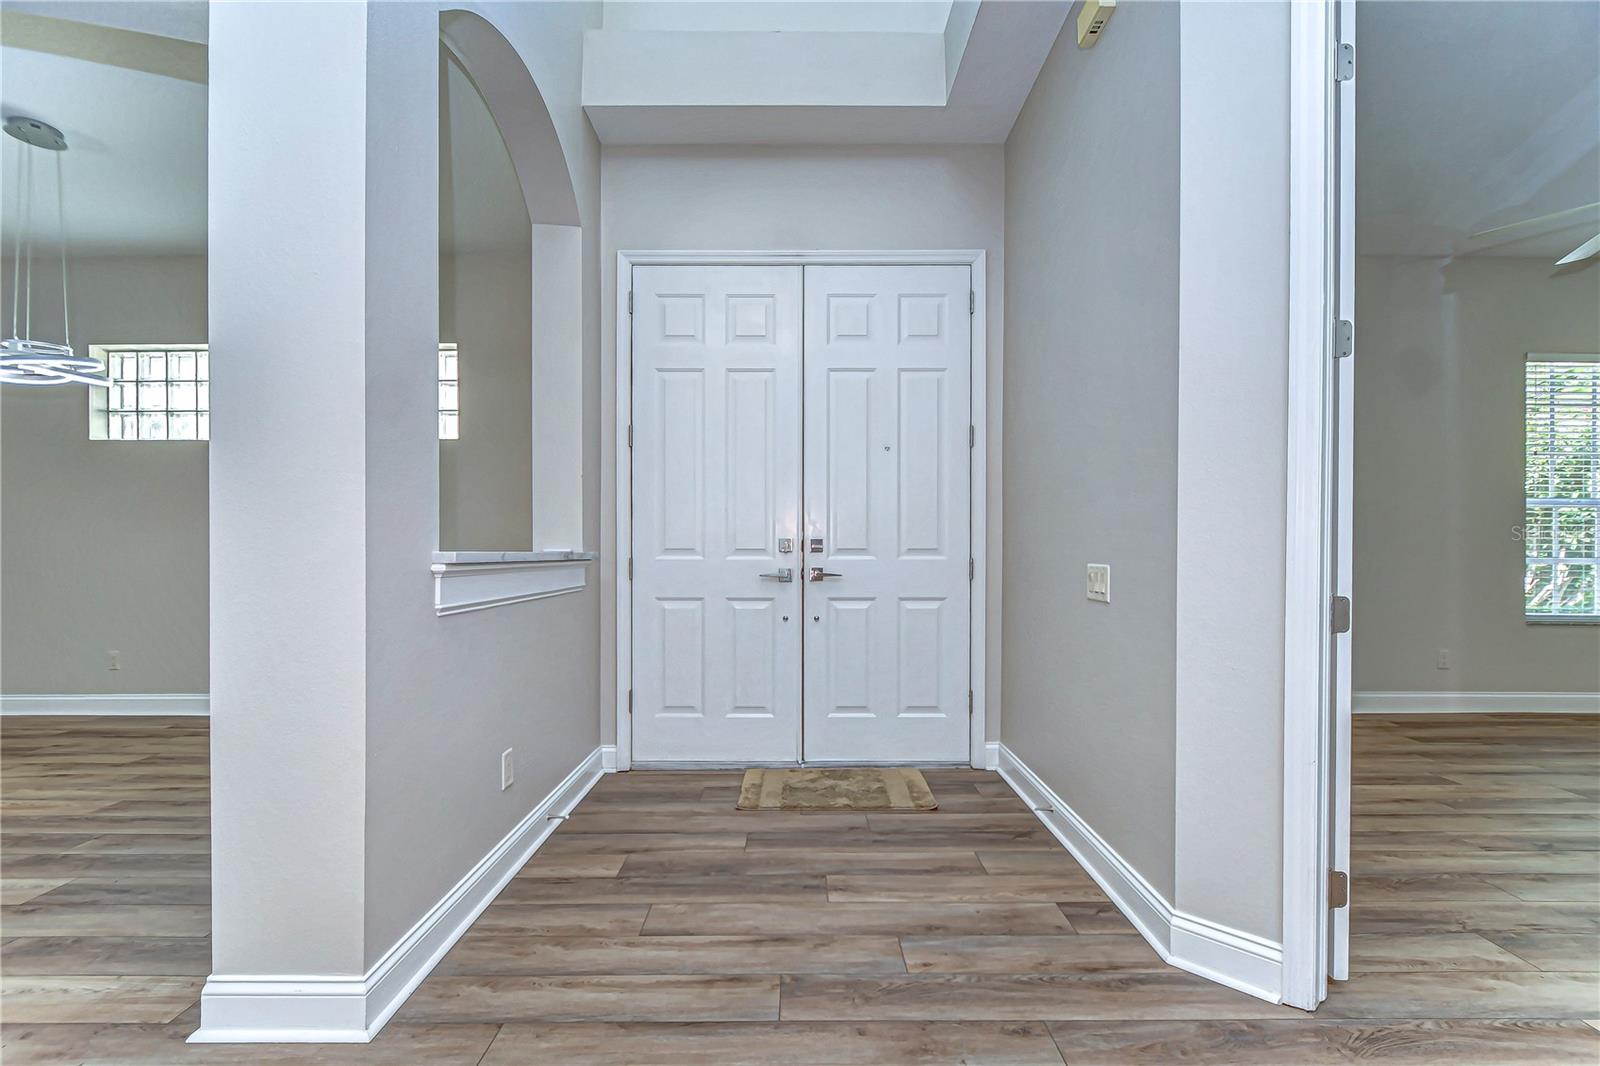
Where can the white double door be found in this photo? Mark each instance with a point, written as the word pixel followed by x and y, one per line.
pixel 801 472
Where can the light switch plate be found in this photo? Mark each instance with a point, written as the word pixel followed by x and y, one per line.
pixel 1097 583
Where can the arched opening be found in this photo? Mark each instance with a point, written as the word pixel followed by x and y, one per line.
pixel 510 310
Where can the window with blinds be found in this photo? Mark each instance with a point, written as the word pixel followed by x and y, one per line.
pixel 1561 476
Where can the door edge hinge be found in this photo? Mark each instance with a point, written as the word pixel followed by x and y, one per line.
pixel 1344 61
pixel 972 435
pixel 630 301
pixel 972 568
pixel 971 702
pixel 1339 622
pixel 1338 890
pixel 630 701
pixel 1344 339
pixel 630 434
pixel 972 301
pixel 630 568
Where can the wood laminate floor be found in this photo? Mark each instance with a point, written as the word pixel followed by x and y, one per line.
pixel 658 925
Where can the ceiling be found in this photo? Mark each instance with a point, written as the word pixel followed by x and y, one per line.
pixel 1475 115
pixel 779 72
pixel 779 16
pixel 135 166
pixel 1470 115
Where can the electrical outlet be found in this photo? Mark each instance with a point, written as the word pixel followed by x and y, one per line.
pixel 1444 659
pixel 1097 583
pixel 508 773
pixel 113 660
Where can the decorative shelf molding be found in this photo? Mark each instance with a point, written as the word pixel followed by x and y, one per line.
pixel 557 555
pixel 476 581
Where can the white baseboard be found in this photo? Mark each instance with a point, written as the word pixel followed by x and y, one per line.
pixel 991 755
pixel 608 757
pixel 186 704
pixel 1135 897
pixel 1228 956
pixel 247 1009
pixel 1240 960
pixel 1476 703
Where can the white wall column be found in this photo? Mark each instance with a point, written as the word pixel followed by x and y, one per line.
pixel 1232 382
pixel 287 290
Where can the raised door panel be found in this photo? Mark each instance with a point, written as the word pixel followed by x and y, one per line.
pixel 887 493
pixel 716 483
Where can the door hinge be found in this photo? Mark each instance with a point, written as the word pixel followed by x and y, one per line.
pixel 630 434
pixel 630 701
pixel 1338 889
pixel 972 568
pixel 630 301
pixel 972 301
pixel 630 568
pixel 1344 339
pixel 1344 61
pixel 972 436
pixel 970 702
pixel 1341 614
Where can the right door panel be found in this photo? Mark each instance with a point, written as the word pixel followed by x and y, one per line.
pixel 887 513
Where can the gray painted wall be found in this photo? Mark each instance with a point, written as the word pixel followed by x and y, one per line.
pixel 1091 395
pixel 287 296
pixel 836 198
pixel 446 695
pixel 104 542
pixel 1232 463
pixel 486 477
pixel 1438 474
pixel 356 736
pixel 1146 336
pixel 486 309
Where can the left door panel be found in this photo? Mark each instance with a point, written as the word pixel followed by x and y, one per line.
pixel 716 486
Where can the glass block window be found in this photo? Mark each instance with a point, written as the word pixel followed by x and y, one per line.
pixel 164 393
pixel 156 393
pixel 1561 483
pixel 449 393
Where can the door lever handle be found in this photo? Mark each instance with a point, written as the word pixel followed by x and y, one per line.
pixel 818 573
pixel 785 574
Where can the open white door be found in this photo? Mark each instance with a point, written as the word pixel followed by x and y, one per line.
pixel 1344 247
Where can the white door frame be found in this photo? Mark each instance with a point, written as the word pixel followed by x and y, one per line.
pixel 626 261
pixel 1315 789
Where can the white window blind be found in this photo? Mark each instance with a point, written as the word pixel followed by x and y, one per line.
pixel 1561 475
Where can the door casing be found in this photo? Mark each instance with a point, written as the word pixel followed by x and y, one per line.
pixel 626 261
pixel 1316 785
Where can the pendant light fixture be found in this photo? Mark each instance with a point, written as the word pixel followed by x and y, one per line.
pixel 24 358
